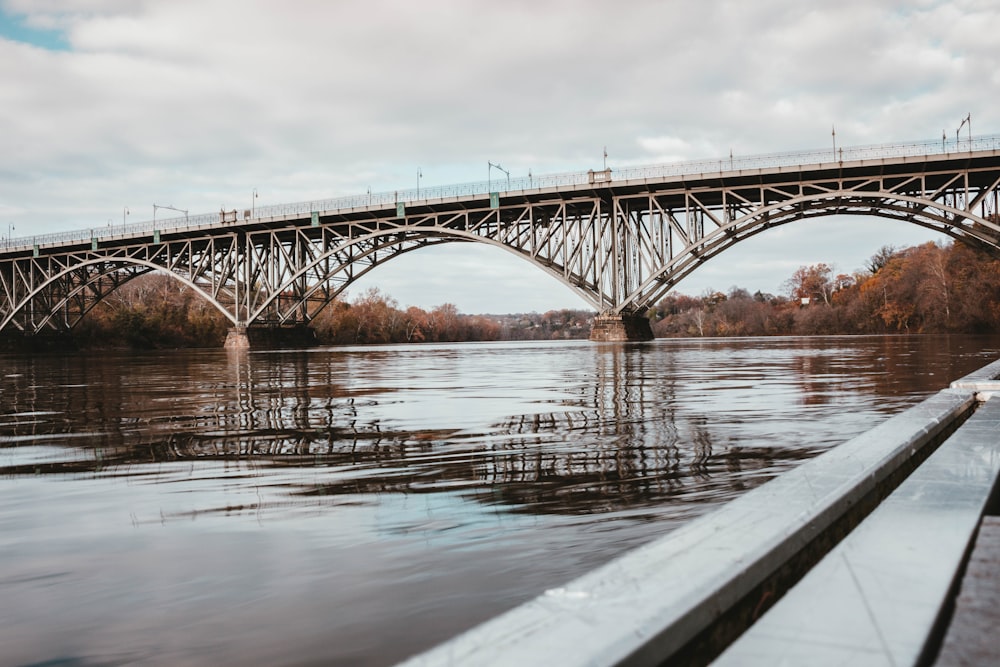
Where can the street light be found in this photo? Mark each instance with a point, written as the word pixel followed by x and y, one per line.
pixel 489 175
pixel 253 204
pixel 125 212
pixel 967 119
pixel 419 175
pixel 179 210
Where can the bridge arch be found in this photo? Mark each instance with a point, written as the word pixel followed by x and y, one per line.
pixel 382 246
pixel 942 218
pixel 111 266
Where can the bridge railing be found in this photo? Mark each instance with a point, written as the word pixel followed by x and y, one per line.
pixel 390 199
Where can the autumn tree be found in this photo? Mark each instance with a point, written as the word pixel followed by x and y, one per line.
pixel 811 282
pixel 153 310
pixel 880 258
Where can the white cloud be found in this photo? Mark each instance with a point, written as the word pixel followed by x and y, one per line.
pixel 197 102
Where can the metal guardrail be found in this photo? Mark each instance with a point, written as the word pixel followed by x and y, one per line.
pixel 382 200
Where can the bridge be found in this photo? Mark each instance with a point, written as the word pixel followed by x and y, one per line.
pixel 620 239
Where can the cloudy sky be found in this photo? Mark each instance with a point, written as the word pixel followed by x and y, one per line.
pixel 108 104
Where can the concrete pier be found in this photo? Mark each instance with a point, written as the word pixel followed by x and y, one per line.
pixel 244 338
pixel 618 328
pixel 237 339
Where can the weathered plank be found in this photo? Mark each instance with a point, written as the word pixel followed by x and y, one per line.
pixel 879 597
pixel 972 637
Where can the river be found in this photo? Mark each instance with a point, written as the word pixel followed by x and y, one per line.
pixel 352 506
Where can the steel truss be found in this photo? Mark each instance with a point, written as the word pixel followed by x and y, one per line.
pixel 621 245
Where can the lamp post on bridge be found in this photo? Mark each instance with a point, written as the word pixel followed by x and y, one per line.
pixel 967 119
pixel 125 212
pixel 489 175
pixel 253 204
pixel 419 176
pixel 179 210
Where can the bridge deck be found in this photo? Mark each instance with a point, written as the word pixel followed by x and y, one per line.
pixel 754 170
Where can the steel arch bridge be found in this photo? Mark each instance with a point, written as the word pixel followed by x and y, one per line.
pixel 620 240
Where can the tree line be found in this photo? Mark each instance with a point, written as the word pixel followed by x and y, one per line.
pixel 154 311
pixel 374 317
pixel 930 288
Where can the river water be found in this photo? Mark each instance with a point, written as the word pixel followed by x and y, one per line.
pixel 352 506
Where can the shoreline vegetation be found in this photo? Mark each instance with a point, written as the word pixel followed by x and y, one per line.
pixel 930 288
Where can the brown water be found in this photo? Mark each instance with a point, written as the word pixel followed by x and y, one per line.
pixel 356 505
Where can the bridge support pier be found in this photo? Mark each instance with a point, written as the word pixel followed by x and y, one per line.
pixel 618 327
pixel 264 337
pixel 237 339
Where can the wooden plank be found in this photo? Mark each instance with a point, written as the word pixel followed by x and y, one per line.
pixel 972 635
pixel 877 598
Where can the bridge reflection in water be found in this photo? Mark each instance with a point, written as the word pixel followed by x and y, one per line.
pixel 635 430
pixel 618 444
